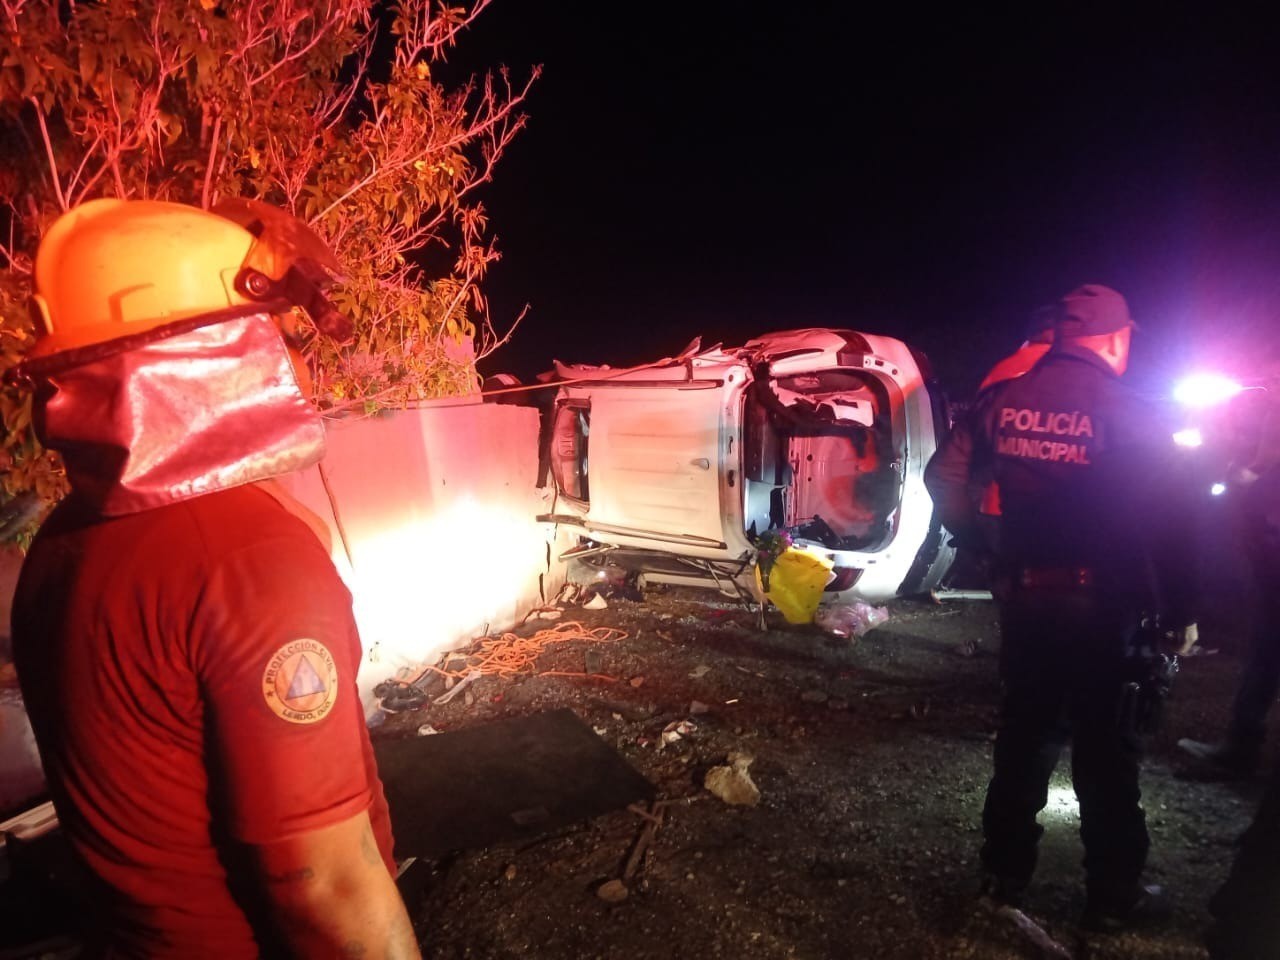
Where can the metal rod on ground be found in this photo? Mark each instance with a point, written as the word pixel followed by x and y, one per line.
pixel 940 596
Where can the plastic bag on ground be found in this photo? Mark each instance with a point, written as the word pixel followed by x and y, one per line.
pixel 796 583
pixel 850 619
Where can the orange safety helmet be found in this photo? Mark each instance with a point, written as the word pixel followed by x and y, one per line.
pixel 113 268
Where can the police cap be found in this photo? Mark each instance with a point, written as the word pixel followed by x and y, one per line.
pixel 1090 310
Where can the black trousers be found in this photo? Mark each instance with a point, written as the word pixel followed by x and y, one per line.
pixel 1246 921
pixel 1063 668
pixel 1260 677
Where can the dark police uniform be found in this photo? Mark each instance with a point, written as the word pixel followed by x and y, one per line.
pixel 1247 924
pixel 1077 458
pixel 1253 499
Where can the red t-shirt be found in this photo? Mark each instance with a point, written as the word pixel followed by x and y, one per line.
pixel 190 675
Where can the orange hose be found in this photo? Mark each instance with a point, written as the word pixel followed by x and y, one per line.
pixel 510 654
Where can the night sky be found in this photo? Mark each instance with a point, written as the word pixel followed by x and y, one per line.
pixel 729 169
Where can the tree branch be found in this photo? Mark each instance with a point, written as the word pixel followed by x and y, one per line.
pixel 210 166
pixel 482 124
pixel 80 169
pixel 48 148
pixel 290 57
pixel 489 348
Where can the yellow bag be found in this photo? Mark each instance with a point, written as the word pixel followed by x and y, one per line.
pixel 796 583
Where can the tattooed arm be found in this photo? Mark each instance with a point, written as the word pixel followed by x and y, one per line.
pixel 332 897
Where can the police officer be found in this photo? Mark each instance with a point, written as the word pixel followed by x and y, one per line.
pixel 1254 507
pixel 1247 925
pixel 185 646
pixel 1078 461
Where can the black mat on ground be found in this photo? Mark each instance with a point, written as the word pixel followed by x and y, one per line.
pixel 501 781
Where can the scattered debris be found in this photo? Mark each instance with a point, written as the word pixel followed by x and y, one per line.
pixel 471 677
pixel 732 783
pixel 677 730
pixel 850 619
pixel 968 648
pixel 29 825
pixel 403 698
pixel 612 891
pixel 815 696
pixel 552 614
pixel 403 866
pixel 1035 933
pixel 568 593
pixel 637 682
pixel 509 873
pixel 697 708
pixel 653 819
pixel 427 730
pixel 630 712
pixel 763 853
pixel 596 602
pixel 397 697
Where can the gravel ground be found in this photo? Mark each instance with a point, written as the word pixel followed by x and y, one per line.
pixel 871 758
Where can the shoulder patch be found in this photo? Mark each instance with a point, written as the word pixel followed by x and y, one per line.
pixel 300 683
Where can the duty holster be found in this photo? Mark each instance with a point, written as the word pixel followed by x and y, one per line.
pixel 1148 683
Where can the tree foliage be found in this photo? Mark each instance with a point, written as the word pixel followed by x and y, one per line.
pixel 332 109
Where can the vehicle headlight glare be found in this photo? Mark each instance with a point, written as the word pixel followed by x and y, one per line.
pixel 1205 390
pixel 1189 437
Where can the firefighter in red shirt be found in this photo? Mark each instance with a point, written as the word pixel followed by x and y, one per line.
pixel 185 646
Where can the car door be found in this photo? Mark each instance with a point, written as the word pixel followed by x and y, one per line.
pixel 655 460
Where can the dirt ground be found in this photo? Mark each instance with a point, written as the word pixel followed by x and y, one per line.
pixel 871 758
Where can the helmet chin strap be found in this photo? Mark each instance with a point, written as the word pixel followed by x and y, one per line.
pixel 30 372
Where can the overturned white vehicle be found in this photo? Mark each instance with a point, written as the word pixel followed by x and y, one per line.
pixel 674 469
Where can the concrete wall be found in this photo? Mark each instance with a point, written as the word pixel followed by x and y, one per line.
pixel 20 776
pixel 436 507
